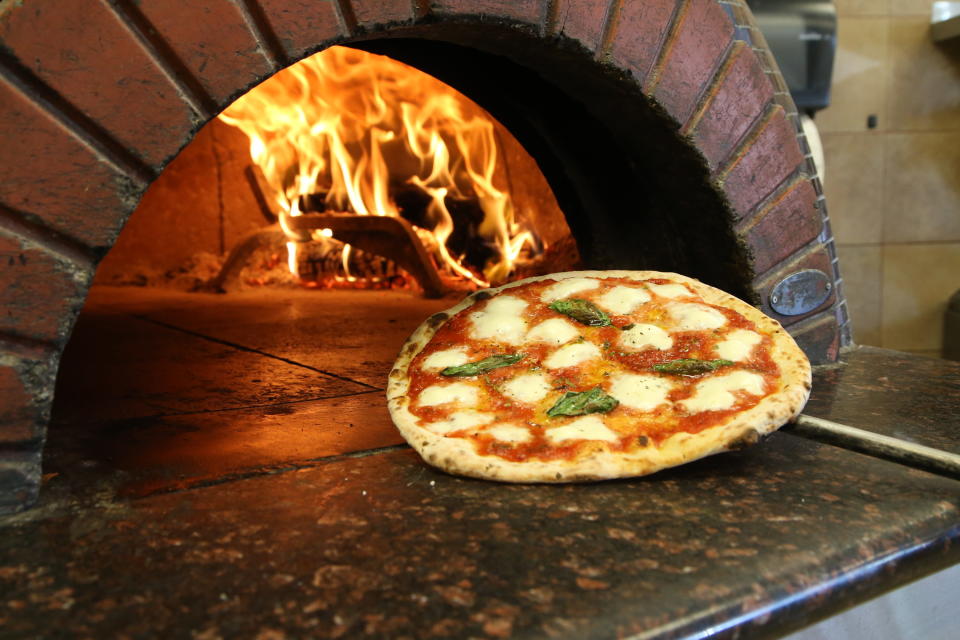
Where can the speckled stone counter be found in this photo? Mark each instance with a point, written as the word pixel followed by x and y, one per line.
pixel 893 393
pixel 756 542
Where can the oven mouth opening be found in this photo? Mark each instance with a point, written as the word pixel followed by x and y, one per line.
pixel 166 389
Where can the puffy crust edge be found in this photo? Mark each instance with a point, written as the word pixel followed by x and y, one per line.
pixel 456 455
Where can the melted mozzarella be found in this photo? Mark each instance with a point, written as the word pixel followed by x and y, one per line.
pixel 642 336
pixel 553 331
pixel 508 433
pixel 460 420
pixel 572 355
pixel 716 393
pixel 568 287
pixel 738 345
pixel 528 388
pixel 641 392
pixel 460 392
pixel 690 316
pixel 622 300
pixel 585 428
pixel 446 358
pixel 500 320
pixel 670 290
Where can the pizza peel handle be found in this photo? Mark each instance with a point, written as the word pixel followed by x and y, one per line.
pixel 880 446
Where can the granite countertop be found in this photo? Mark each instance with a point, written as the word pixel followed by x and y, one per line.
pixel 755 542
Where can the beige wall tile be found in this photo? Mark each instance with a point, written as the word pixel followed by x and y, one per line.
pixel 853 185
pixel 863 7
pixel 859 76
pixel 910 7
pixel 861 268
pixel 924 78
pixel 922 187
pixel 918 279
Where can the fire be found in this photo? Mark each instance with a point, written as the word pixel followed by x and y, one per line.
pixel 361 131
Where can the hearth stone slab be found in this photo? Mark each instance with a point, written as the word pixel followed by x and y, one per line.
pixel 893 393
pixel 123 366
pixel 354 334
pixel 166 453
pixel 763 540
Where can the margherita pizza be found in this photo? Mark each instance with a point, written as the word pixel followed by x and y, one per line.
pixel 593 374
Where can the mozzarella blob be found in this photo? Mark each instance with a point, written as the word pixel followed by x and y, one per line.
pixel 572 355
pixel 447 358
pixel 738 345
pixel 640 392
pixel 508 433
pixel 528 388
pixel 500 320
pixel 622 300
pixel 670 291
pixel 568 287
pixel 645 336
pixel 553 331
pixel 691 316
pixel 464 394
pixel 460 420
pixel 716 394
pixel 586 428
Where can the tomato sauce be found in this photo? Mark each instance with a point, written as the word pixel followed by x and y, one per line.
pixel 636 429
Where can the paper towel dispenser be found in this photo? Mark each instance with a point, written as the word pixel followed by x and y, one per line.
pixel 803 37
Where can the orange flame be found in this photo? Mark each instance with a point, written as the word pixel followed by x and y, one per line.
pixel 352 125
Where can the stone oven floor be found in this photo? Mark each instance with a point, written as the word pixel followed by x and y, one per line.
pixel 211 472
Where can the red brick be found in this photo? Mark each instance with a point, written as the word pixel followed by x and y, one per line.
pixel 739 99
pixel 820 340
pixel 703 35
pixel 82 51
pixel 372 12
pixel 819 259
pixel 582 20
pixel 789 223
pixel 38 294
pixel 302 26
pixel 213 41
pixel 640 30
pixel 769 159
pixel 20 419
pixel 48 173
pixel 523 10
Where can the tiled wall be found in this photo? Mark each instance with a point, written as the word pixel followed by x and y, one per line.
pixel 894 190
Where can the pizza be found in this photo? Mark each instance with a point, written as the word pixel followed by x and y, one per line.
pixel 591 375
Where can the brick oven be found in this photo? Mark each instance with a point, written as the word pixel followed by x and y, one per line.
pixel 707 171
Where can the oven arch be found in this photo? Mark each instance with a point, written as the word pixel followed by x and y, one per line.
pixel 96 97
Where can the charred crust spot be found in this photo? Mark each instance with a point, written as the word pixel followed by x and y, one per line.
pixel 409 349
pixel 748 439
pixel 437 319
pixel 483 294
pixel 643 441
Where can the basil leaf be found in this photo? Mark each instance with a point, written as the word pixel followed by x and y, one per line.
pixel 583 311
pixel 482 366
pixel 583 402
pixel 690 366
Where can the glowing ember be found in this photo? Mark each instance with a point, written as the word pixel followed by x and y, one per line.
pixel 360 132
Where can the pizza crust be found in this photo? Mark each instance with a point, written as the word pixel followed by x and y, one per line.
pixel 595 461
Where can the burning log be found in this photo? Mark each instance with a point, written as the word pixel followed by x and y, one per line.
pixel 390 238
